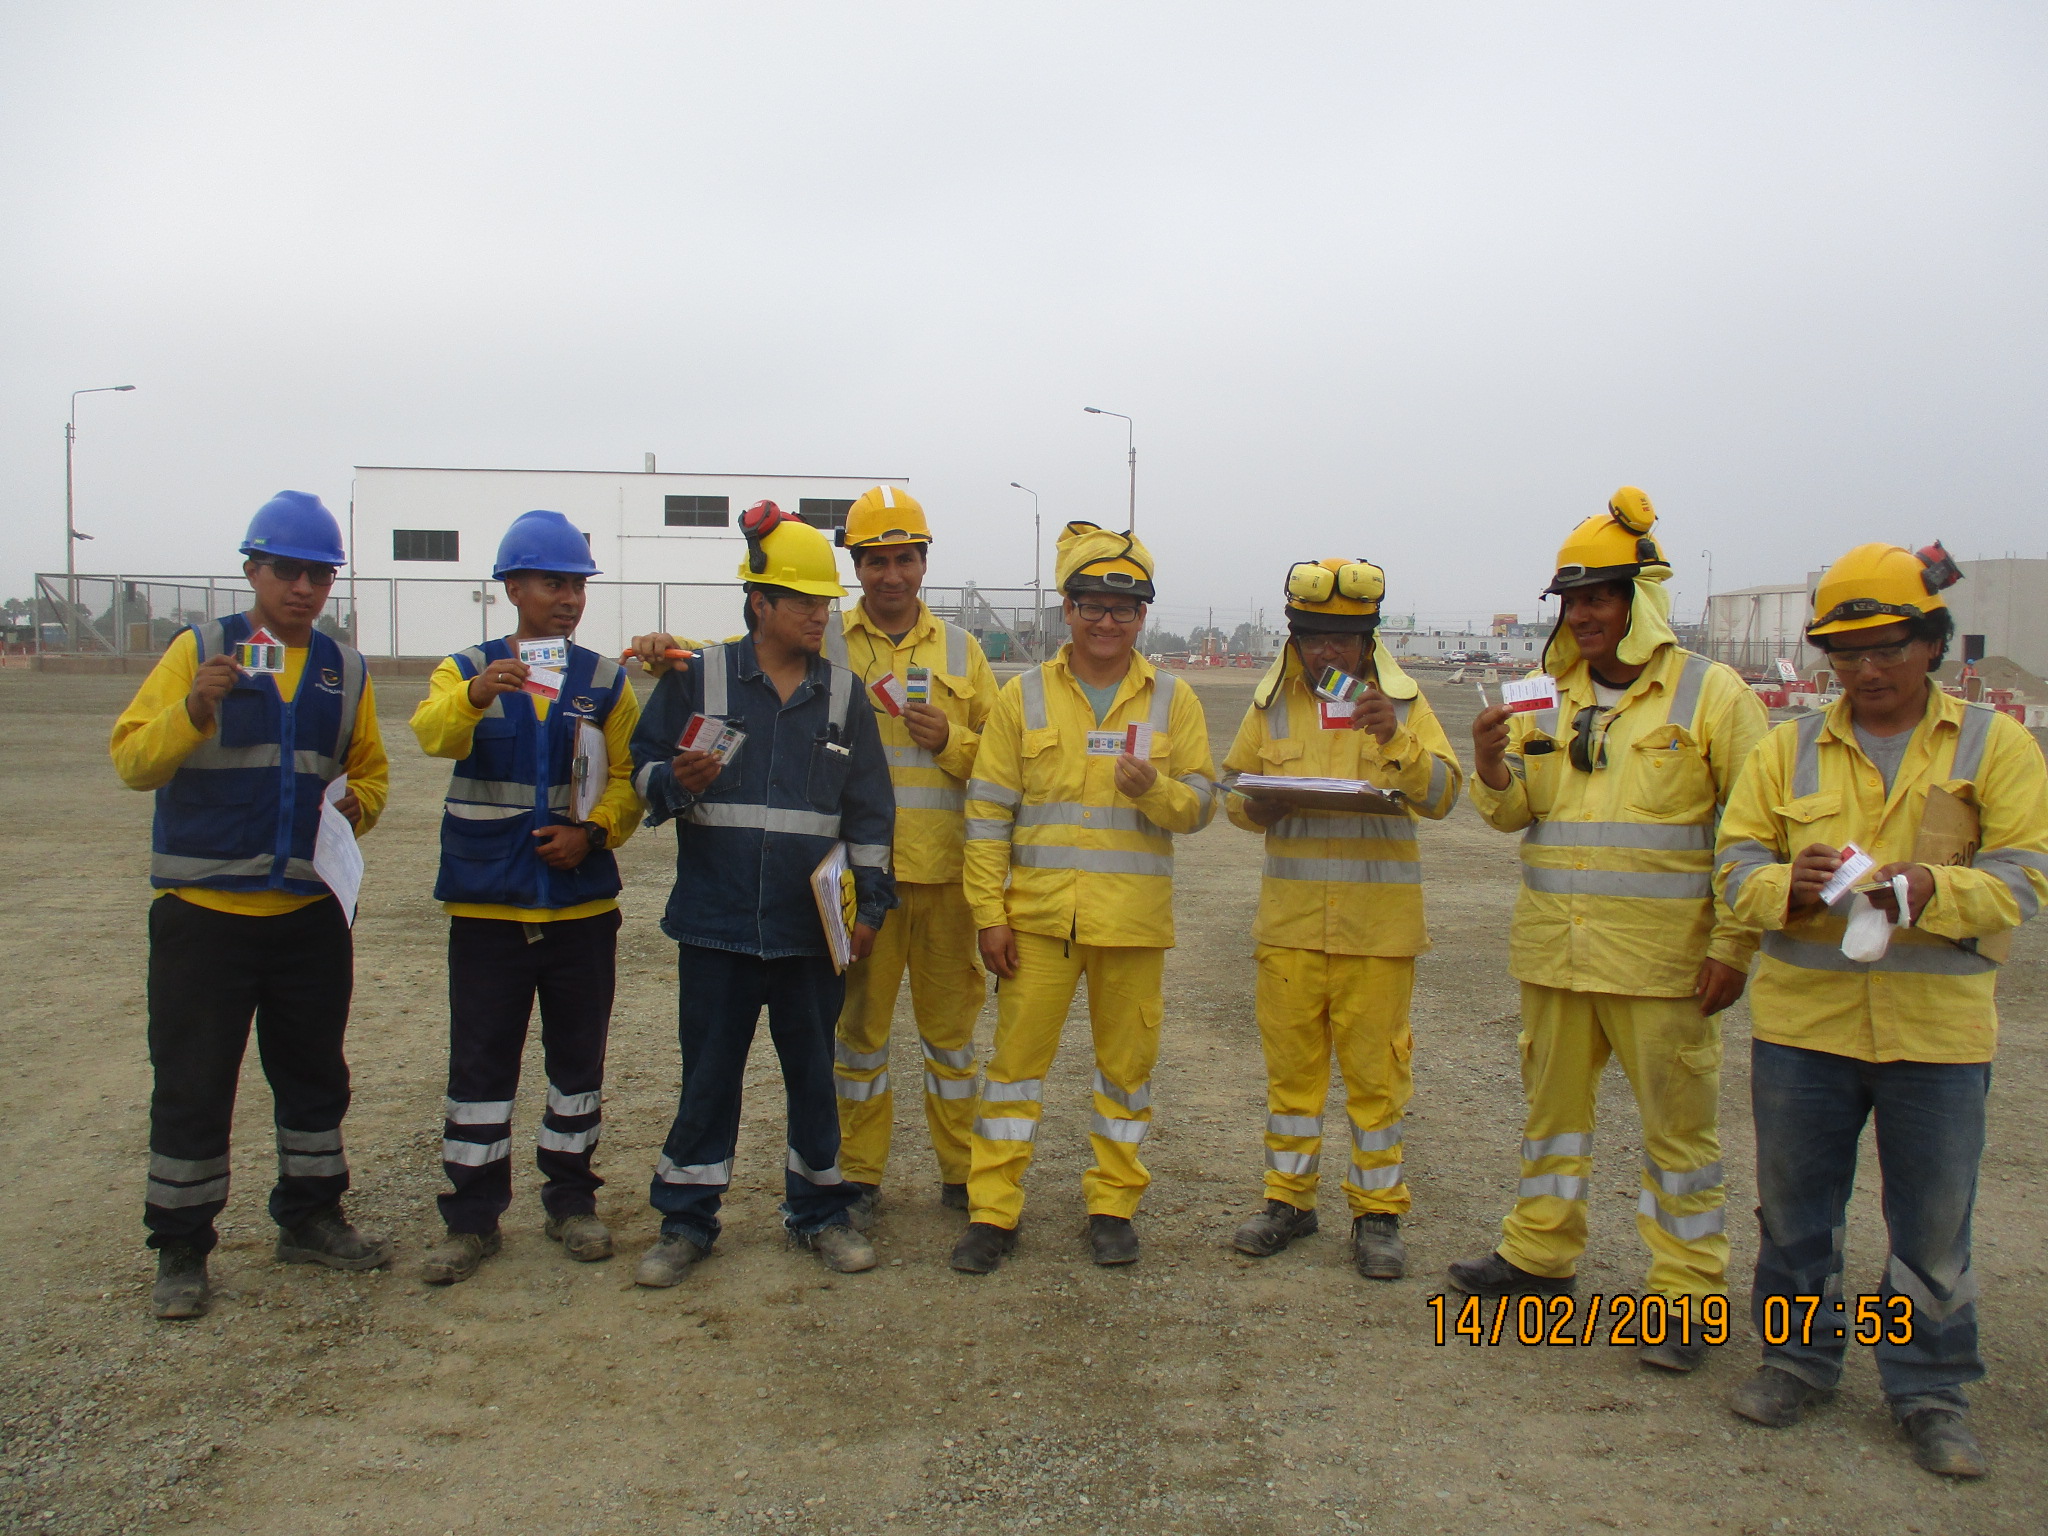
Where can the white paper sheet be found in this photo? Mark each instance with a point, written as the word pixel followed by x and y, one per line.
pixel 826 890
pixel 337 857
pixel 589 771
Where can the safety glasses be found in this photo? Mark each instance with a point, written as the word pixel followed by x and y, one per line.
pixel 1095 613
pixel 1588 746
pixel 1868 656
pixel 289 571
pixel 1308 582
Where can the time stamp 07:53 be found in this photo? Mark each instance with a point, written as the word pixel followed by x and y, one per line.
pixel 1631 1320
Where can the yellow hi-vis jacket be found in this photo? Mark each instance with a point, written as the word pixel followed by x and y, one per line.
pixel 1052 848
pixel 931 788
pixel 1617 864
pixel 1340 883
pixel 1930 997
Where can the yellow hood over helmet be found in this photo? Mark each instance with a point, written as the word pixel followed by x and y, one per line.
pixel 1615 546
pixel 1335 596
pixel 1877 584
pixel 884 514
pixel 1089 558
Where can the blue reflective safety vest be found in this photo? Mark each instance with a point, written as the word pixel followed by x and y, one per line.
pixel 517 779
pixel 242 812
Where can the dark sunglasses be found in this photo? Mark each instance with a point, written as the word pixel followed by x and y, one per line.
pixel 291 570
pixel 1588 746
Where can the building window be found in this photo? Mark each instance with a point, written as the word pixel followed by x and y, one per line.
pixel 820 513
pixel 425 544
pixel 696 511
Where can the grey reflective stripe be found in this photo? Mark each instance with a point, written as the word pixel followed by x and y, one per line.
pixel 857 1092
pixel 311 1165
pixel 1906 1283
pixel 1294 1125
pixel 186 1170
pixel 859 1061
pixel 353 670
pixel 1566 1144
pixel 209 639
pixel 1017 1129
pixel 1163 684
pixel 1100 861
pixel 993 793
pixel 693 1173
pixel 763 818
pixel 1074 813
pixel 1396 829
pixel 552 1140
pixel 806 1172
pixel 948 1087
pixel 1401 708
pixel 835 639
pixel 474 655
pixel 605 675
pixel 1545 720
pixel 1439 776
pixel 1129 1132
pixel 308 1141
pixel 1560 1186
pixel 1385 1139
pixel 573 1103
pixel 956 650
pixel 174 1197
pixel 1136 1099
pixel 319 764
pixel 302 869
pixel 1742 860
pixel 984 830
pixel 1345 871
pixel 1203 786
pixel 1031 1089
pixel 208 756
pixel 912 756
pixel 1618 834
pixel 1685 698
pixel 1687 1229
pixel 1373 1178
pixel 1298 1164
pixel 1032 685
pixel 171 866
pixel 643 781
pixel 959 1061
pixel 2011 866
pixel 711 666
pixel 1974 731
pixel 1618 882
pixel 466 812
pixel 502 792
pixel 1900 959
pixel 839 697
pixel 1276 716
pixel 1685 1183
pixel 868 855
pixel 1806 762
pixel 474 1154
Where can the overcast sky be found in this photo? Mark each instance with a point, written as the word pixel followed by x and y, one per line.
pixel 1422 283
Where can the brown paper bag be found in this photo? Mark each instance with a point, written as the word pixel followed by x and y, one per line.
pixel 1949 834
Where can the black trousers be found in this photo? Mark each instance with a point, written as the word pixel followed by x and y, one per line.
pixel 210 974
pixel 496 969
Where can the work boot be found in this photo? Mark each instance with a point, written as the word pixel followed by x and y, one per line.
pixel 842 1248
pixel 584 1238
pixel 329 1239
pixel 1495 1276
pixel 1943 1444
pixel 981 1248
pixel 458 1256
pixel 1112 1240
pixel 667 1261
pixel 1673 1355
pixel 1377 1249
pixel 1264 1233
pixel 1774 1398
pixel 862 1212
pixel 180 1290
pixel 953 1196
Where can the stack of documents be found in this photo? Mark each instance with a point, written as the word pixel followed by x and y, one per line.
pixel 1328 794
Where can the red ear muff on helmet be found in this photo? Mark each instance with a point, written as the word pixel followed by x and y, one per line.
pixel 756 523
pixel 1941 571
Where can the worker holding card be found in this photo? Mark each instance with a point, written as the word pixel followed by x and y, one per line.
pixel 540 730
pixel 243 728
pixel 932 690
pixel 1948 801
pixel 1614 764
pixel 1069 873
pixel 1340 904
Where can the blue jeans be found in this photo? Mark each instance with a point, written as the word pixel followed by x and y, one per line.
pixel 1810 1107
pixel 720 998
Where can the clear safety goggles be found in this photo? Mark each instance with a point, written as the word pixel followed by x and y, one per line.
pixel 1308 582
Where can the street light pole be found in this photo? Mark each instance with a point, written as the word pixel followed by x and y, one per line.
pixel 71 533
pixel 1131 441
pixel 1707 608
pixel 1037 596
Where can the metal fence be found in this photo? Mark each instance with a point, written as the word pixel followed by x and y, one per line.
pixel 428 616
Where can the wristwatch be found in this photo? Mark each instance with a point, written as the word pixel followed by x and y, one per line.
pixel 596 835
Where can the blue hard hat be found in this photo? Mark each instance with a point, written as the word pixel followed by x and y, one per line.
pixel 294 524
pixel 543 541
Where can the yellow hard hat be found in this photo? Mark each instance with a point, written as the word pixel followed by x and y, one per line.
pixel 1336 595
pixel 884 515
pixel 785 551
pixel 1092 559
pixel 1877 584
pixel 1615 545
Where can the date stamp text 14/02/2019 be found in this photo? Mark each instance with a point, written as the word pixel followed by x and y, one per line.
pixel 1632 1320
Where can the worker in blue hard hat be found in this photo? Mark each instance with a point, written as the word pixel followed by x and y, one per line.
pixel 540 730
pixel 247 728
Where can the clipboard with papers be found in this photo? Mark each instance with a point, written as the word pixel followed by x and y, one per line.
pixel 1311 794
pixel 832 889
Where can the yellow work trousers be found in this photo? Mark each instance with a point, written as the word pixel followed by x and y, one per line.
pixel 1310 1004
pixel 1673 1060
pixel 931 934
pixel 1124 1008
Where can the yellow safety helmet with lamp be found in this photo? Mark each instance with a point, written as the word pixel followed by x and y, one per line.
pixel 785 551
pixel 884 515
pixel 1615 546
pixel 1089 558
pixel 1877 584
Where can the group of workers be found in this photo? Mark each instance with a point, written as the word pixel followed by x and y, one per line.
pixel 863 771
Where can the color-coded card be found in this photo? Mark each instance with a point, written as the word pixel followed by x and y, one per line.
pixel 1528 694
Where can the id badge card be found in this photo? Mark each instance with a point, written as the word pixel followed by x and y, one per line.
pixel 1336 714
pixel 701 734
pixel 917 685
pixel 889 692
pixel 1338 686
pixel 261 652
pixel 1529 694
pixel 1106 743
pixel 552 652
pixel 1138 738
